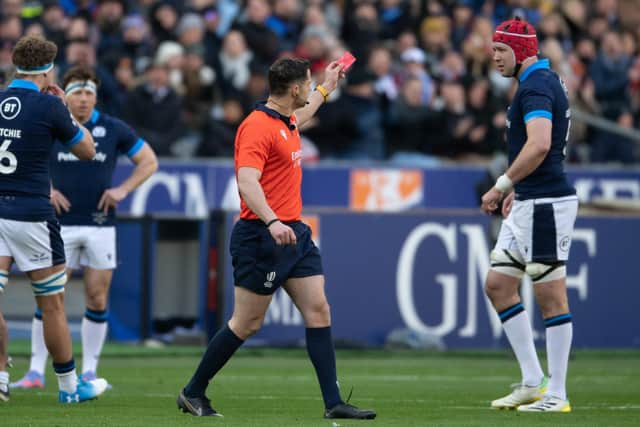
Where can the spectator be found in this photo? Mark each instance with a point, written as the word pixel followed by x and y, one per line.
pixel 219 48
pixel 234 60
pixel 610 75
pixel 135 38
pixel 361 26
pixel 54 22
pixel 285 22
pixel 190 29
pixel 220 132
pixel 410 125
pixel 395 17
pixel 461 23
pixel 350 127
pixel 165 126
pixel 199 87
pixel 171 55
pixel 380 63
pixel 435 38
pixel 164 18
pixel 82 52
pixel 413 61
pixel 262 41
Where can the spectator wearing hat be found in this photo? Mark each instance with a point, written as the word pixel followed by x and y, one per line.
pixel 413 66
pixel 135 38
pixel 170 54
pixel 314 46
pixel 190 29
pixel 435 38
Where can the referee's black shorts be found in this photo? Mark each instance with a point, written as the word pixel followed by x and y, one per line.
pixel 261 266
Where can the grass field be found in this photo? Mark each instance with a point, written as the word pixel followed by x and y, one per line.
pixel 265 388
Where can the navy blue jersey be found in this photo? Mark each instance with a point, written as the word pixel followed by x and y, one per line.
pixel 30 123
pixel 84 182
pixel 541 93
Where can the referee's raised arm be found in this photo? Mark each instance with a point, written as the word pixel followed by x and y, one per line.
pixel 332 74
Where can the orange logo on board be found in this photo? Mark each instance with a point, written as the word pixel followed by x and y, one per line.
pixel 385 189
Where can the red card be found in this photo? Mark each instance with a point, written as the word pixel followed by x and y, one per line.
pixel 347 61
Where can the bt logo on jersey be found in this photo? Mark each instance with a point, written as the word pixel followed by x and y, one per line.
pixel 10 108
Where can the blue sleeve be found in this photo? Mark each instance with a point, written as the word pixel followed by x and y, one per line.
pixel 64 127
pixel 536 103
pixel 128 142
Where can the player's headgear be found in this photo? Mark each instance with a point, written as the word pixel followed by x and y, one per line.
pixel 520 37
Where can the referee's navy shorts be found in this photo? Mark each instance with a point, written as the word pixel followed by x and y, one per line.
pixel 261 266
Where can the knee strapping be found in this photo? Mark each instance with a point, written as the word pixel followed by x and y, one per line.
pixel 541 272
pixel 507 262
pixel 53 284
pixel 4 279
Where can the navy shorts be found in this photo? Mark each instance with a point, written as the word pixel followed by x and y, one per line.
pixel 262 266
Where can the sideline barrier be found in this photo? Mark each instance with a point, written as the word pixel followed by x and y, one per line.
pixel 426 270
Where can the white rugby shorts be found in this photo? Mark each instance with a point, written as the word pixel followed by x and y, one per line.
pixel 33 245
pixel 539 230
pixel 90 246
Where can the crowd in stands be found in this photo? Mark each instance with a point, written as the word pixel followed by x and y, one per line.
pixel 424 90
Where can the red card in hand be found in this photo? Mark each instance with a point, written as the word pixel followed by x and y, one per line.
pixel 347 61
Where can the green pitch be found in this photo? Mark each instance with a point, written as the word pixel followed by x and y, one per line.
pixel 265 388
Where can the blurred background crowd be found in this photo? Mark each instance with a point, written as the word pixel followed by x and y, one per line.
pixel 424 90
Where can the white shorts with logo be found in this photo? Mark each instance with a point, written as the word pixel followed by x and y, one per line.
pixel 90 246
pixel 539 230
pixel 32 245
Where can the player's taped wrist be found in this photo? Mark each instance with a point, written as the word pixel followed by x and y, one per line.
pixel 504 183
pixel 324 92
pixel 268 224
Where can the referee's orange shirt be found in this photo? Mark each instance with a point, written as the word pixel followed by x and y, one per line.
pixel 270 142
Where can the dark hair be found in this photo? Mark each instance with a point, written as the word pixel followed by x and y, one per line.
pixel 81 72
pixel 33 51
pixel 286 71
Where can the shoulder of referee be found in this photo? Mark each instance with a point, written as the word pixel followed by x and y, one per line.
pixel 256 126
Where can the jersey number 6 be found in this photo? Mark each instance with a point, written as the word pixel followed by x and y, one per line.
pixel 7 155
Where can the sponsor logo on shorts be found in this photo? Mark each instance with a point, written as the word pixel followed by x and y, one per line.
pixel 565 242
pixel 39 257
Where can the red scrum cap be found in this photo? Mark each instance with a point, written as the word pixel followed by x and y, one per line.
pixel 520 36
